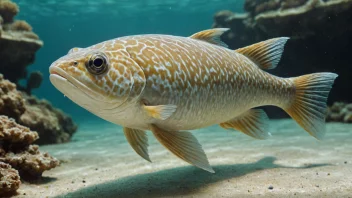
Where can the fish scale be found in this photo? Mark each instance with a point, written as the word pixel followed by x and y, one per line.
pixel 160 78
pixel 168 84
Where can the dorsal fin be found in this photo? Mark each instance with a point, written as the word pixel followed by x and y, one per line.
pixel 211 36
pixel 265 54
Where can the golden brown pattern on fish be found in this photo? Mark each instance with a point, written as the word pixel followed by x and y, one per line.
pixel 175 76
pixel 168 83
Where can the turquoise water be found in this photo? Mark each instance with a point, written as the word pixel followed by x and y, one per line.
pixel 99 162
pixel 63 25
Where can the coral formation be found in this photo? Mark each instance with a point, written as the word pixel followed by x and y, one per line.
pixel 9 179
pixel 320 35
pixel 52 124
pixel 34 81
pixel 18 44
pixel 340 112
pixel 256 7
pixel 298 19
pixel 11 100
pixel 8 10
pixel 16 151
pixel 30 162
pixel 14 133
pixel 18 25
pixel 259 6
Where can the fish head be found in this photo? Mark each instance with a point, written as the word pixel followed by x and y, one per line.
pixel 97 79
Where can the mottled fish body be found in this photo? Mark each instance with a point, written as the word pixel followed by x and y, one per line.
pixel 167 83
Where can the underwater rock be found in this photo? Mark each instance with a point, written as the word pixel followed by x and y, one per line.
pixel 18 44
pixel 256 7
pixel 18 25
pixel 340 112
pixel 9 179
pixel 320 37
pixel 16 149
pixel 30 162
pixel 304 18
pixel 298 18
pixel 259 6
pixel 14 133
pixel 8 10
pixel 11 100
pixel 52 125
pixel 34 81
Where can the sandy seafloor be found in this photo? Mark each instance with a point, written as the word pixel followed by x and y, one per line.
pixel 100 163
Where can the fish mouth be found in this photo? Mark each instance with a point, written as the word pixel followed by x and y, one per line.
pixel 56 72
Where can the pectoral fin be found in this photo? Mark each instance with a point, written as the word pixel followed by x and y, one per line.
pixel 253 123
pixel 138 140
pixel 161 112
pixel 184 145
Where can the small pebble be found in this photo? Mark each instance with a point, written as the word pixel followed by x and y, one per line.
pixel 270 187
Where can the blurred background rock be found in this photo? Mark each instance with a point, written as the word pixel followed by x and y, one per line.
pixel 320 37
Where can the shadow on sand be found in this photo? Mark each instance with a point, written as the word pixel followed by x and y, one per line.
pixel 177 181
pixel 39 180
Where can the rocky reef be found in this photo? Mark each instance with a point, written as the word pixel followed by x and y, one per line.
pixel 18 157
pixel 9 179
pixel 320 34
pixel 340 112
pixel 52 125
pixel 24 119
pixel 18 47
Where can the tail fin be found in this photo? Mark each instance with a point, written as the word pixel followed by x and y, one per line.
pixel 309 104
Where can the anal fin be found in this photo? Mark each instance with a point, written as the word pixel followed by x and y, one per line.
pixel 184 145
pixel 253 122
pixel 138 140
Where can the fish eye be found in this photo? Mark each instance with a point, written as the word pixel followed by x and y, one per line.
pixel 97 64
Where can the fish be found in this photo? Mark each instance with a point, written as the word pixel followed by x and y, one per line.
pixel 170 84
